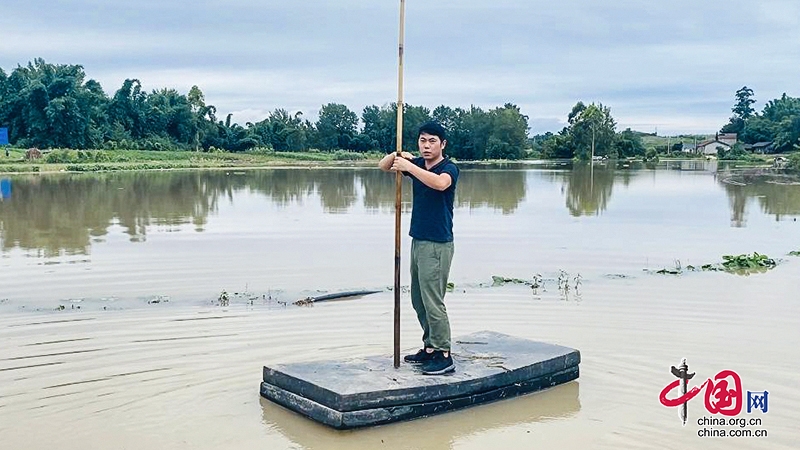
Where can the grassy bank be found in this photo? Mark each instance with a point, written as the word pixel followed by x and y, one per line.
pixel 131 160
pixel 101 160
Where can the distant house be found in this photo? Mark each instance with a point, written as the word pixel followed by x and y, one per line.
pixel 759 147
pixel 709 146
pixel 728 138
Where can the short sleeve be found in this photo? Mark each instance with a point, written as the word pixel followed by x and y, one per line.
pixel 452 170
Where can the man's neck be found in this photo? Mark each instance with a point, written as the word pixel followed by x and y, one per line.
pixel 429 164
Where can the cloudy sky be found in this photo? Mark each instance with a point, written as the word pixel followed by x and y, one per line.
pixel 672 65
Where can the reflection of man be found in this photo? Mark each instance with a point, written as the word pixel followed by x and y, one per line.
pixel 434 177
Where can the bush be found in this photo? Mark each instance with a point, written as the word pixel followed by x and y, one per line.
pixel 257 151
pixel 736 152
pixel 61 157
pixel 794 162
pixel 101 156
pixel 651 154
pixel 342 155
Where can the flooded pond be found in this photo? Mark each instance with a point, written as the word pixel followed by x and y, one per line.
pixel 112 330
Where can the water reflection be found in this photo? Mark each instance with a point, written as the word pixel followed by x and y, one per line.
pixel 5 189
pixel 63 214
pixel 587 188
pixel 478 187
pixel 778 195
pixel 437 432
pixel 379 191
pixel 60 214
pixel 500 190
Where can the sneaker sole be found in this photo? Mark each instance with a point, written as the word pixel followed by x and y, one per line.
pixel 450 368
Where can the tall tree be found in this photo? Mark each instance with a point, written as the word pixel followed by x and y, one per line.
pixel 592 129
pixel 742 111
pixel 508 137
pixel 744 101
pixel 336 127
pixel 127 112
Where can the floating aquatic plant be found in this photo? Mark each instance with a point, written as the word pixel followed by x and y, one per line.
pixel 743 264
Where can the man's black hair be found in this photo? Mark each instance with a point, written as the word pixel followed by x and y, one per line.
pixel 434 129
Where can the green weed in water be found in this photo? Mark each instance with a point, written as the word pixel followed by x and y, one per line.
pixel 745 262
pixel 739 264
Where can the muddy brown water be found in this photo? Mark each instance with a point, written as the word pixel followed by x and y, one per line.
pixel 112 336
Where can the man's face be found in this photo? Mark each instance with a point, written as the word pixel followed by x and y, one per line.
pixel 430 146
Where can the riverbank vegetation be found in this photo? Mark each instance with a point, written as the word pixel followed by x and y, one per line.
pixel 59 160
pixel 54 106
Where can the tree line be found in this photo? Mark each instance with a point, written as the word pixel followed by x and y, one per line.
pixel 55 106
pixel 590 131
pixel 778 122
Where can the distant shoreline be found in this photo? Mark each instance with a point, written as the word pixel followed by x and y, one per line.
pixel 88 161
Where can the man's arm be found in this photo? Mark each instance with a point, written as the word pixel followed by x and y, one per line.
pixel 387 161
pixel 439 182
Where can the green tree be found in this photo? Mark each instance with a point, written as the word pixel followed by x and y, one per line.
pixel 629 144
pixel 472 134
pixel 380 125
pixel 336 127
pixel 127 112
pixel 784 115
pixel 283 131
pixel 508 137
pixel 47 105
pixel 171 118
pixel 592 129
pixel 744 101
pixel 742 111
pixel 378 128
pixel 197 103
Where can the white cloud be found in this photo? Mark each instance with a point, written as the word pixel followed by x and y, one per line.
pixel 675 65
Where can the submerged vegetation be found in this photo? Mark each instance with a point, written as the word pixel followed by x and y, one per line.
pixel 744 264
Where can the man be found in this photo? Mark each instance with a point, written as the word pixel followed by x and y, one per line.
pixel 434 177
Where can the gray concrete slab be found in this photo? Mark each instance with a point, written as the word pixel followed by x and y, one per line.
pixel 369 391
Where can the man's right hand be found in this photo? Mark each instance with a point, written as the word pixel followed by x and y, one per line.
pixel 386 163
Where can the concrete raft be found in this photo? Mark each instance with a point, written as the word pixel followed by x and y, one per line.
pixel 370 391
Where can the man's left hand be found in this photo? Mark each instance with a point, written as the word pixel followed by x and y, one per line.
pixel 402 165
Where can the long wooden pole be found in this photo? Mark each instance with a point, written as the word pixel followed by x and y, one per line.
pixel 398 188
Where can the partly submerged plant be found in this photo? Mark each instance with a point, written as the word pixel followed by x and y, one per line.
pixel 746 262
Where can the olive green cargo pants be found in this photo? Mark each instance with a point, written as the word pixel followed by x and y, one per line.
pixel 430 267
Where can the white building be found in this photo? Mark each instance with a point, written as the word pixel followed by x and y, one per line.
pixel 723 140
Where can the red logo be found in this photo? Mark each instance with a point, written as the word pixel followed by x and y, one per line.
pixel 723 393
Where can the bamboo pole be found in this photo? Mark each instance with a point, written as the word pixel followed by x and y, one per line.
pixel 398 188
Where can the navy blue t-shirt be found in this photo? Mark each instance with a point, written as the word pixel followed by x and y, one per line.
pixel 432 210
